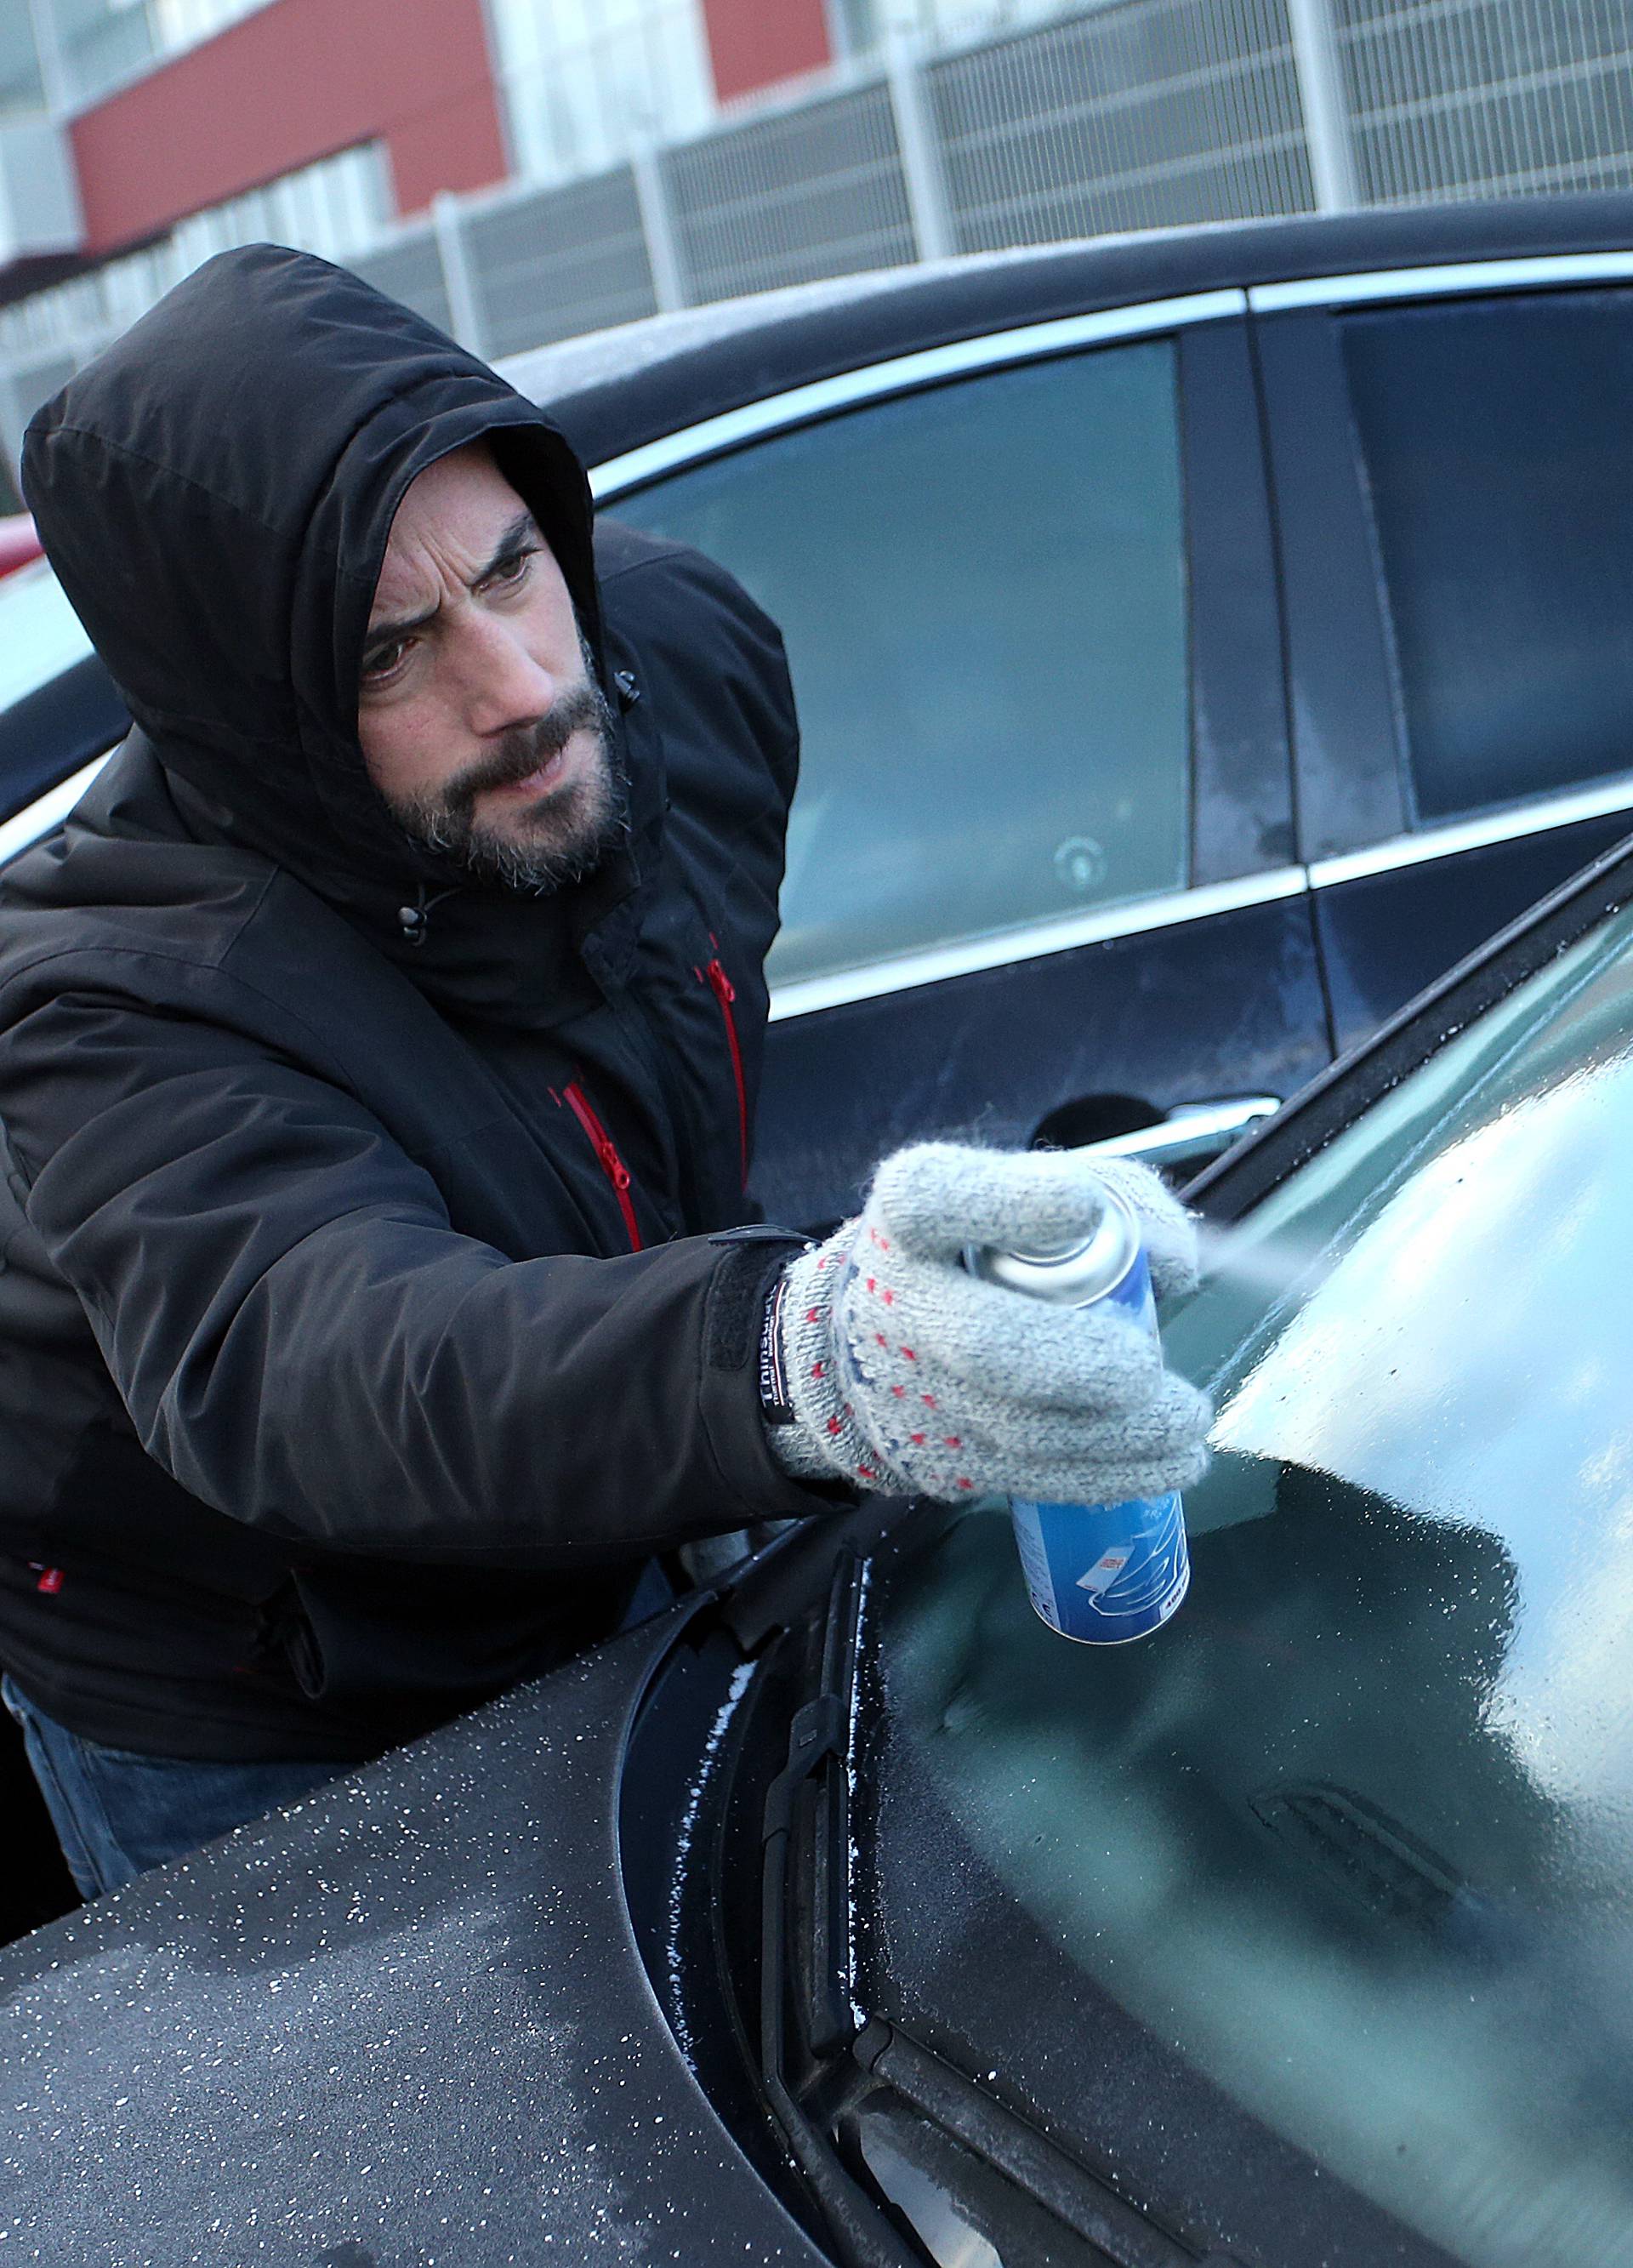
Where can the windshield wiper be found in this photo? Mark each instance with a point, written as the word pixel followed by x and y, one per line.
pixel 812 1793
pixel 1118 2232
pixel 818 1745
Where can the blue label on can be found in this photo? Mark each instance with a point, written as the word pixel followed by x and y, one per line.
pixel 1133 1292
pixel 1104 1572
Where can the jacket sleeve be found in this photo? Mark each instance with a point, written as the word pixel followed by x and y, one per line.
pixel 303 1340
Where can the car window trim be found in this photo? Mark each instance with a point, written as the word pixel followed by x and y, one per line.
pixel 803 405
pixel 807 996
pixel 1443 280
pixel 1537 815
pixel 842 988
pixel 1349 753
pixel 1243 818
pixel 1349 689
pixel 1268 1154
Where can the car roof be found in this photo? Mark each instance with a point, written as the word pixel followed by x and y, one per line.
pixel 615 390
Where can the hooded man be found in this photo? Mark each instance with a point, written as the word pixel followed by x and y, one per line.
pixel 379 1047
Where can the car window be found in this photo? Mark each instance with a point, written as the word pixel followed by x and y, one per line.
pixel 1497 455
pixel 40 635
pixel 59 711
pixel 1352 1835
pixel 982 589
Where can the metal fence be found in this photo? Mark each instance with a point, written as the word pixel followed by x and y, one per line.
pixel 1128 115
pixel 816 189
pixel 1474 98
pixel 1132 117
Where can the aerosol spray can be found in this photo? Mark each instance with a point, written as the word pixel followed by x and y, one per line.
pixel 1102 1573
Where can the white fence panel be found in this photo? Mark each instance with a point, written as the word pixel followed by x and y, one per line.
pixel 811 191
pixel 410 269
pixel 1151 114
pixel 559 261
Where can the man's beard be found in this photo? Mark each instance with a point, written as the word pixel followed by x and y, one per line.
pixel 556 841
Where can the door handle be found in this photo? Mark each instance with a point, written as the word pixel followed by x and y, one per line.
pixel 1191 1134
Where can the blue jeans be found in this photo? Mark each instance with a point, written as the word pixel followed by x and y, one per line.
pixel 116 1813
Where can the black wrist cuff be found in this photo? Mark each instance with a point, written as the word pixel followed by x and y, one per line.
pixel 775 1406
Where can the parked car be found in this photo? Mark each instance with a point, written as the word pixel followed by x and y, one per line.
pixel 846 1913
pixel 1202 640
pixel 19 543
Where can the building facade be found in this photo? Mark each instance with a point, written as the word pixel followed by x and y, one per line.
pixel 136 137
pixel 156 110
pixel 522 170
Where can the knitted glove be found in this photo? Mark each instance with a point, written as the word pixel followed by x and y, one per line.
pixel 906 1373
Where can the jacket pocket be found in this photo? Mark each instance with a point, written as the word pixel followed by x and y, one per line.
pixel 607 1156
pixel 713 974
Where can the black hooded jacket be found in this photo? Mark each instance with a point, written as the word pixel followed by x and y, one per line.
pixel 361 1328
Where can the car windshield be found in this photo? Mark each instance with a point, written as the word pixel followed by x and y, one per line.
pixel 40 633
pixel 1348 1845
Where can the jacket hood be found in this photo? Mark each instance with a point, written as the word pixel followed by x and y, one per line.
pixel 215 492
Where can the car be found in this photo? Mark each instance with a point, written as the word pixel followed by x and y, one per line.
pixel 1202 640
pixel 19 543
pixel 843 1913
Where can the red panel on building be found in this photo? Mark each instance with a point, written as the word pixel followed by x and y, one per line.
pixel 754 43
pixel 296 81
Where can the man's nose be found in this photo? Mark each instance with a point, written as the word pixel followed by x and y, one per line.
pixel 505 684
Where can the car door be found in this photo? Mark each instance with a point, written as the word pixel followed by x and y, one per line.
pixel 1453 477
pixel 1040 873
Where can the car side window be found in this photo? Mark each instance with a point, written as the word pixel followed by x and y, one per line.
pixel 1497 455
pixel 983 588
pixel 40 633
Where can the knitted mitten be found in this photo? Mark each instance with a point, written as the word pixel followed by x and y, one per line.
pixel 907 1374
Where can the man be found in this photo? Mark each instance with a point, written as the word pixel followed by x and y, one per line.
pixel 378 1047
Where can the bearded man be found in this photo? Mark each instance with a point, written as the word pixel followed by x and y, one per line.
pixel 379 1047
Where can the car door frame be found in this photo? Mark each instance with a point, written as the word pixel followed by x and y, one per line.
pixel 1239 783
pixel 1357 833
pixel 1229 1187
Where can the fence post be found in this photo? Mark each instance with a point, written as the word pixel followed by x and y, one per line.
pixel 663 255
pixel 1325 111
pixel 453 253
pixel 921 161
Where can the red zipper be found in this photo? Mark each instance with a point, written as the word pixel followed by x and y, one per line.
pixel 725 991
pixel 607 1154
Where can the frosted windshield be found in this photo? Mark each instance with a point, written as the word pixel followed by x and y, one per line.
pixel 1355 1835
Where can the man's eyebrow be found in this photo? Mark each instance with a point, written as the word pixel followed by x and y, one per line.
pixel 522 532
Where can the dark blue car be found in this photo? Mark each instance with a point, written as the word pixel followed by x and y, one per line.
pixel 1202 640
pixel 846 1914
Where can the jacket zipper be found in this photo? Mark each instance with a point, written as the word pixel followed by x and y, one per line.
pixel 607 1155
pixel 725 992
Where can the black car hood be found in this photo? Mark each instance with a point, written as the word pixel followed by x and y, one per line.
pixel 403 2023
